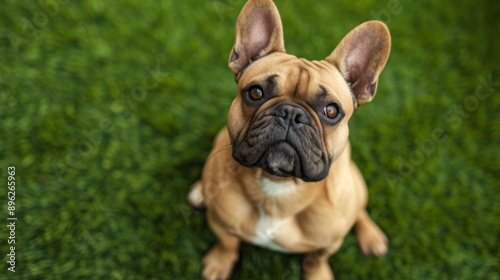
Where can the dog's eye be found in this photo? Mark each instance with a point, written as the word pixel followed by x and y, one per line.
pixel 255 93
pixel 331 111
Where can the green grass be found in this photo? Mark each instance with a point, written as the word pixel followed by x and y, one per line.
pixel 116 208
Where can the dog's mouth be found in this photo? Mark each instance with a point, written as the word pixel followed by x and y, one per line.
pixel 281 160
pixel 284 144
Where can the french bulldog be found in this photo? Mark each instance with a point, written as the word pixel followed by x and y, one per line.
pixel 280 174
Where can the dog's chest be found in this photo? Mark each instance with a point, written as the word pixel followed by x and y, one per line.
pixel 268 229
pixel 279 217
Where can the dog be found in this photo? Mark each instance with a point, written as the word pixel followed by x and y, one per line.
pixel 280 173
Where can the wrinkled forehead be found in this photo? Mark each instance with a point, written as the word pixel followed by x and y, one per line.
pixel 298 78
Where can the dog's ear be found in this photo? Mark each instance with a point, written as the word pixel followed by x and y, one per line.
pixel 361 56
pixel 258 33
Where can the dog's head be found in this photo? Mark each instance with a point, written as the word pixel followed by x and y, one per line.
pixel 290 116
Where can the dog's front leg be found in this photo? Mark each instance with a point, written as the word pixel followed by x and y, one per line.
pixel 219 261
pixel 315 266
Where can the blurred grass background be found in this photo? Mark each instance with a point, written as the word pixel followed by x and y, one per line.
pixel 103 167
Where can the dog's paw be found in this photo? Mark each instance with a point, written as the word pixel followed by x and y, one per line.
pixel 372 240
pixel 218 264
pixel 195 196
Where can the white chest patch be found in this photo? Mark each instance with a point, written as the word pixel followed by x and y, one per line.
pixel 269 227
pixel 266 231
pixel 277 189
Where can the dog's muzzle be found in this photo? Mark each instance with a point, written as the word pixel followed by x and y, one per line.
pixel 285 141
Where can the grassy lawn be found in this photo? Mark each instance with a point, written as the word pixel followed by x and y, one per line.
pixel 108 110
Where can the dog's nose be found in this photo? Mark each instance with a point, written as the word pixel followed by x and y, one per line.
pixel 293 115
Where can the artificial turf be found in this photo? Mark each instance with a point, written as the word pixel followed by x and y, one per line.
pixel 108 110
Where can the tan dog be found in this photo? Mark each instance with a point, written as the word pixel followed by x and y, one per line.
pixel 280 174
